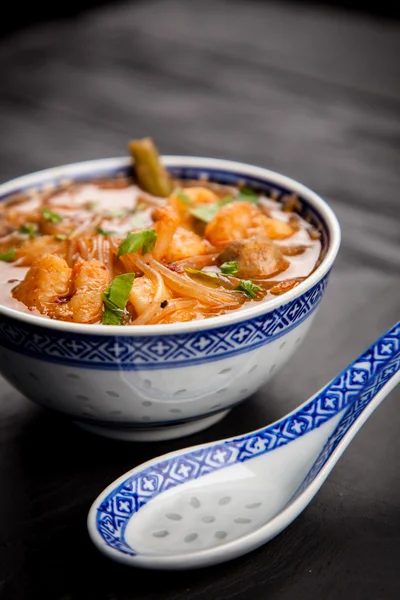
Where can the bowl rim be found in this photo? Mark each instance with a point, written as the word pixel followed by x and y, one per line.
pixel 79 169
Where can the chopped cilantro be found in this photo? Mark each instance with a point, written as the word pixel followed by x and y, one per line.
pixel 103 232
pixel 133 242
pixel 51 216
pixel 184 197
pixel 8 256
pixel 249 288
pixel 61 237
pixel 230 268
pixel 28 229
pixel 115 298
pixel 206 212
pixel 246 195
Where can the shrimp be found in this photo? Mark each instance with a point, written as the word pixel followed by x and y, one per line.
pixel 167 221
pixel 142 294
pixel 274 229
pixel 56 290
pixel 47 280
pixel 232 222
pixel 184 244
pixel 89 281
pixel 241 220
pixel 31 250
pixel 200 195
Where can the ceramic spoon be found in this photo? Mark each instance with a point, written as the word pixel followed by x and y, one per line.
pixel 210 503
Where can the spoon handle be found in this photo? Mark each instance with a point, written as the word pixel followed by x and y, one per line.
pixel 356 388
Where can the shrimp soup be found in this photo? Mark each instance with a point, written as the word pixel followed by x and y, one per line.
pixel 146 247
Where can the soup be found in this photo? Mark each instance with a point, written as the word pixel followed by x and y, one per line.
pixel 150 249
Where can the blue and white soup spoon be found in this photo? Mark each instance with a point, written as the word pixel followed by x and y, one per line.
pixel 211 503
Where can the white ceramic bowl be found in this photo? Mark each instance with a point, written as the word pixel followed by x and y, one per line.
pixel 156 382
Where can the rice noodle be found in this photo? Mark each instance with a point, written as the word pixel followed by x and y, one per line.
pixel 107 255
pixel 72 248
pixel 196 262
pixel 184 285
pixel 82 247
pixel 86 227
pixel 173 306
pixel 100 252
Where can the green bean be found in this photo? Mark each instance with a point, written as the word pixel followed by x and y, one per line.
pixel 152 177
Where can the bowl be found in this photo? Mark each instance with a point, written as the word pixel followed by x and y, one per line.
pixel 156 382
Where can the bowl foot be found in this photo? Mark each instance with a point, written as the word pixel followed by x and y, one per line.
pixel 156 434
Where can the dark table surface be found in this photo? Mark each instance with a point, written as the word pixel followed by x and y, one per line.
pixel 311 93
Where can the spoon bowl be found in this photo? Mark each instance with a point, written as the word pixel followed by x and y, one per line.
pixel 213 502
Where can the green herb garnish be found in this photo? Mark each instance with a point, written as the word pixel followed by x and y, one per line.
pixel 246 195
pixel 115 298
pixel 91 205
pixel 206 212
pixel 133 242
pixel 197 272
pixel 103 232
pixel 51 216
pixel 249 288
pixel 230 268
pixel 184 197
pixel 60 236
pixel 28 229
pixel 9 255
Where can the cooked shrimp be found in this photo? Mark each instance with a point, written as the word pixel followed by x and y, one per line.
pixel 167 221
pixel 47 280
pixel 232 222
pixel 241 220
pixel 195 195
pixel 186 243
pixel 142 294
pixel 275 229
pixel 32 250
pixel 89 281
pixel 200 195
pixel 55 290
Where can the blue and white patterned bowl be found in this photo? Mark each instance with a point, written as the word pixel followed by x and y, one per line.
pixel 158 382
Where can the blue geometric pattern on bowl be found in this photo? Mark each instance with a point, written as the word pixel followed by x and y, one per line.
pixel 159 352
pixel 369 373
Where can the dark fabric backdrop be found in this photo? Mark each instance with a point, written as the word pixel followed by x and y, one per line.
pixel 34 12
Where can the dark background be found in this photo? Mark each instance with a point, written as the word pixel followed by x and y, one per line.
pixel 308 89
pixel 34 12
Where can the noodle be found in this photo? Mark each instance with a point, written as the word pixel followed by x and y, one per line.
pixel 173 306
pixel 185 286
pixel 72 248
pixel 100 252
pixel 83 249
